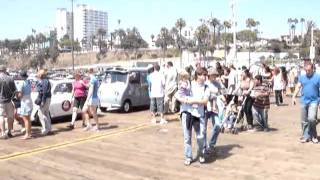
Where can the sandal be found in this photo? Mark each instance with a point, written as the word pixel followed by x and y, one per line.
pixel 26 137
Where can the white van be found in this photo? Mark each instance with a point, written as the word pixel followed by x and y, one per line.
pixel 124 88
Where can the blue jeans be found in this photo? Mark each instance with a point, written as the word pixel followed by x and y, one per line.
pixel 187 134
pixel 216 123
pixel 260 115
pixel 308 120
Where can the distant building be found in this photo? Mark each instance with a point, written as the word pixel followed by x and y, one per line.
pixel 188 32
pixel 87 21
pixel 63 23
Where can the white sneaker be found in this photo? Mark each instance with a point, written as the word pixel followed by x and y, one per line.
pixel 96 129
pixel 87 128
pixel 163 121
pixel 154 121
pixel 202 159
pixel 23 130
pixel 187 162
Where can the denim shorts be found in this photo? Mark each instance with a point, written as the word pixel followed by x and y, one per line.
pixel 156 105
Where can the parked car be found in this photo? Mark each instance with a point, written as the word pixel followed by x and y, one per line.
pixel 124 89
pixel 61 104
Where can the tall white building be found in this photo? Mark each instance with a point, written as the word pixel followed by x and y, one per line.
pixel 87 21
pixel 63 23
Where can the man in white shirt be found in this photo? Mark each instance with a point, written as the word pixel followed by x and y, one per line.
pixel 157 85
pixel 170 87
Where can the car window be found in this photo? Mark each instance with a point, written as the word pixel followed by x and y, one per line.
pixel 134 77
pixel 143 78
pixel 64 88
pixel 112 77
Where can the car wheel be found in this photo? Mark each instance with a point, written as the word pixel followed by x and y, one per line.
pixel 103 109
pixel 126 106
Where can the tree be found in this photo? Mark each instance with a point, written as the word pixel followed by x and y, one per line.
pixel 302 21
pixel 164 39
pixel 214 22
pixel 174 32
pixel 290 21
pixel 29 41
pixel 41 40
pixel 202 34
pixel 227 26
pixel 133 40
pixel 250 23
pixel 101 34
pixel 180 24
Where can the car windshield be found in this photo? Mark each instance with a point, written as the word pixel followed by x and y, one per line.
pixel 112 77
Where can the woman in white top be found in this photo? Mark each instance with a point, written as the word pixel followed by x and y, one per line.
pixel 278 84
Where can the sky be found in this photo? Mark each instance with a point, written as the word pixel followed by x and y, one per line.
pixel 19 17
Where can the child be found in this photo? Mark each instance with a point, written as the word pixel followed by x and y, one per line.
pixel 261 104
pixel 215 107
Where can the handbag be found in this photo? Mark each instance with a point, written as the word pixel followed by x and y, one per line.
pixel 38 100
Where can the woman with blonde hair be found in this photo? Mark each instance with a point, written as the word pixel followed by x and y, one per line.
pixel 79 96
pixel 43 101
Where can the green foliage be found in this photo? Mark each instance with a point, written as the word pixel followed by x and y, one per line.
pixel 154 56
pixel 164 39
pixel 202 34
pixel 247 35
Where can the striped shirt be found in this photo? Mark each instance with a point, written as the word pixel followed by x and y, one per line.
pixel 262 102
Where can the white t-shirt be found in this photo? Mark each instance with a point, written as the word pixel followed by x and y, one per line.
pixel 215 91
pixel 171 80
pixel 156 84
pixel 277 82
pixel 232 81
pixel 198 92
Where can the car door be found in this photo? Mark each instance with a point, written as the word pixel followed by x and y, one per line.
pixel 144 94
pixel 134 88
pixel 61 100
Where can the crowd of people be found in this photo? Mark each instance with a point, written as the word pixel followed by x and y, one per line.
pixel 16 102
pixel 216 95
pixel 205 95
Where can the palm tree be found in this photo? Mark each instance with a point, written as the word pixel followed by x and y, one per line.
pixel 164 32
pixel 201 35
pixel 257 25
pixel 295 21
pixel 29 40
pixel 250 23
pixel 293 29
pixel 101 33
pixel 227 25
pixel 220 28
pixel 181 23
pixel 152 39
pixel 214 22
pixel 302 21
pixel 290 21
pixel 40 40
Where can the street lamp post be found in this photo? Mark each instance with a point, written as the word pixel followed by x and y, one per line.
pixel 72 35
pixel 234 29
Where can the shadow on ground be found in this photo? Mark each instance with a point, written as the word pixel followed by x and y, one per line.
pixel 221 152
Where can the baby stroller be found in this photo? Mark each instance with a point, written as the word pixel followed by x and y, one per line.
pixel 232 115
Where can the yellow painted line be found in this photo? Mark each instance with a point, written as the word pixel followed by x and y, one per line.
pixel 73 142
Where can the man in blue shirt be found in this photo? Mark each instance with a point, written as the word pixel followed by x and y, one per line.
pixel 310 84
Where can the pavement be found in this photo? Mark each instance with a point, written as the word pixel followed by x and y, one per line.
pixel 129 146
